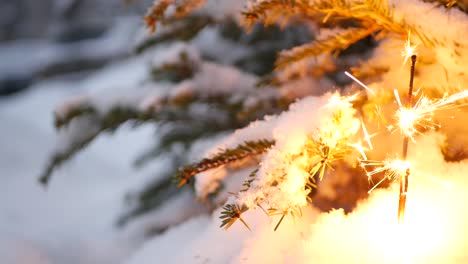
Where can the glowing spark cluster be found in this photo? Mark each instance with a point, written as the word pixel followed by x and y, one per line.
pixel 422 113
pixel 409 49
pixel 392 169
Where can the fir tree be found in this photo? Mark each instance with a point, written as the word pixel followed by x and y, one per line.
pixel 282 51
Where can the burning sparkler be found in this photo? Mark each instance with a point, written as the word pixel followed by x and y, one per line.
pixel 421 114
pixel 409 118
pixel 407 122
pixel 393 169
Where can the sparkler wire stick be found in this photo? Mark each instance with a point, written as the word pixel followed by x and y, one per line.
pixel 404 180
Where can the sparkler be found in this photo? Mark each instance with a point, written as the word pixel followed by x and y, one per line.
pixel 408 120
pixel 422 112
pixel 393 168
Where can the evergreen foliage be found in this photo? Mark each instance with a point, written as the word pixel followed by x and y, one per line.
pixel 242 151
pixel 231 213
pixel 267 66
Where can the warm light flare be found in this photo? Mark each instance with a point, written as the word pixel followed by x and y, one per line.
pixel 409 49
pixel 423 111
pixel 360 149
pixel 367 137
pixel 392 169
pixel 407 118
pixel 409 242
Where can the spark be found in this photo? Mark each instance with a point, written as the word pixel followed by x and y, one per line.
pixel 367 137
pixel 359 82
pixel 392 168
pixel 423 111
pixel 397 97
pixel 360 148
pixel 409 49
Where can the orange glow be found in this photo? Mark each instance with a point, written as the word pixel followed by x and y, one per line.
pixel 407 118
pixel 409 50
pixel 423 231
pixel 422 113
pixel 393 169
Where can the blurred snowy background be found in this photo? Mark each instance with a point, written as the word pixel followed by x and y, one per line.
pixel 49 51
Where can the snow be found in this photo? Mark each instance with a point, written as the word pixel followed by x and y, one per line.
pixel 32 56
pixel 173 55
pixel 73 221
pixel 221 9
pixel 210 43
pixel 367 235
pixel 290 130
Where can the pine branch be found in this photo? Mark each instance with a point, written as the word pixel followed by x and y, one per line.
pixel 170 108
pixel 108 122
pixel 173 108
pixel 187 6
pixel 184 29
pixel 336 42
pixel 176 72
pixel 367 13
pixel 376 14
pixel 242 151
pixel 77 111
pixel 231 213
pixel 270 11
pixel 156 13
pixel 460 4
pixel 111 120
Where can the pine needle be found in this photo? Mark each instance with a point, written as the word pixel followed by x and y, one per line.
pixel 156 13
pixel 242 151
pixel 281 220
pixel 250 179
pixel 336 42
pixel 231 213
pixel 270 11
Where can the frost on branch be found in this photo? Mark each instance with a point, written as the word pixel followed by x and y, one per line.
pixel 224 157
pixel 309 138
pixel 185 96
